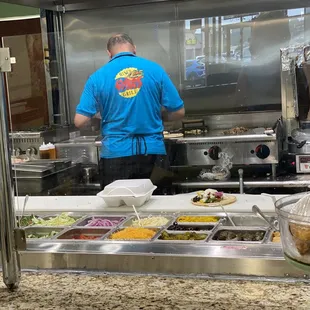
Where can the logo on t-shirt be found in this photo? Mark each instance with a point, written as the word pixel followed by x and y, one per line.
pixel 128 82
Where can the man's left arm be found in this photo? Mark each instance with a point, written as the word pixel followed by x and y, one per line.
pixel 87 108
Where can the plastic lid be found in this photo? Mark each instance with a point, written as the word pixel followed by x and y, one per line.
pixel 51 145
pixel 134 187
pixel 44 147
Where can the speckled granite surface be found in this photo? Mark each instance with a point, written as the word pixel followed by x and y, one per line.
pixel 69 291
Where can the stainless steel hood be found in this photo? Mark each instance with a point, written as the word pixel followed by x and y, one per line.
pixel 73 5
pixel 247 5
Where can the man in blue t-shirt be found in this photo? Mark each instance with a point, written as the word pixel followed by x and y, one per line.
pixel 133 96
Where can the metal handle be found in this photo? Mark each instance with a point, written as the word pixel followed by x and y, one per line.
pixel 241 185
pixel 301 144
pixel 256 210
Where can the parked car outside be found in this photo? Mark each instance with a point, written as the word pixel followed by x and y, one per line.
pixel 195 70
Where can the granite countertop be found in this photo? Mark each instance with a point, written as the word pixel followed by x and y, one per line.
pixel 81 291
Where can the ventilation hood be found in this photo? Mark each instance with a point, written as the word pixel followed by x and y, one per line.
pixel 73 5
pixel 217 6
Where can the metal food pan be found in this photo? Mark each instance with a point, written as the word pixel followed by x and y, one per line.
pixel 129 221
pixel 246 221
pixel 155 229
pixel 213 236
pixel 84 220
pixel 195 228
pixel 76 216
pixel 20 217
pixel 207 233
pixel 219 216
pixel 70 234
pixel 269 238
pixel 42 231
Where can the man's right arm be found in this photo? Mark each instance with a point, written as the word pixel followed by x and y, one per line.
pixel 87 108
pixel 172 104
pixel 173 116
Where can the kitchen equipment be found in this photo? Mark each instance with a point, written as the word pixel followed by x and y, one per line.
pixel 244 149
pixel 137 214
pixel 295 104
pixel 129 192
pixel 88 174
pixel 294 219
pixel 34 177
pixel 229 218
pixel 25 203
pixel 193 126
pixel 299 144
pixel 31 140
pixel 82 150
pixel 257 211
pixel 23 211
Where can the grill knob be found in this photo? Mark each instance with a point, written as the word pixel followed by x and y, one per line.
pixel 262 151
pixel 214 152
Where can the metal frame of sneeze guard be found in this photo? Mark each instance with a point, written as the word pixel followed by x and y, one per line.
pixel 8 232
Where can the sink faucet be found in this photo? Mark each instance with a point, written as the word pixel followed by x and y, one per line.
pixel 241 184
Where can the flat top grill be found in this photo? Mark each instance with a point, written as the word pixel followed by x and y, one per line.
pixel 218 135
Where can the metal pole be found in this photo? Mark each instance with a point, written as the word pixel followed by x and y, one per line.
pixel 63 66
pixel 9 254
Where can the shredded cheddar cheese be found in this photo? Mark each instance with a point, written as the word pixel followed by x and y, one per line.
pixel 133 233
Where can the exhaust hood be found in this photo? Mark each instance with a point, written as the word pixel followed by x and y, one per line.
pixel 216 7
pixel 74 5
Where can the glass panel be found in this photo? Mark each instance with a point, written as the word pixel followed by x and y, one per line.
pixel 220 64
pixel 235 60
pixel 154 32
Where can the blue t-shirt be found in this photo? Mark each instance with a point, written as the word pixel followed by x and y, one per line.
pixel 129 93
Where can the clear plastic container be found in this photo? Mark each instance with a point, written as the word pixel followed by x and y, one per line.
pixel 129 192
pixel 295 231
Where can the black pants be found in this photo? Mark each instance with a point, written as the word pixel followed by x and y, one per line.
pixel 129 167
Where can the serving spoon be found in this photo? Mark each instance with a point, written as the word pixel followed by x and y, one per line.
pixel 23 211
pixel 257 211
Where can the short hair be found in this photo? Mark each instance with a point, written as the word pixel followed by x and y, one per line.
pixel 120 38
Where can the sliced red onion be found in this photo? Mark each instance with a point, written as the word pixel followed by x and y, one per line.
pixel 102 222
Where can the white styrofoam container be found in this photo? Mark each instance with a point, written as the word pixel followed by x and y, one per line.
pixel 129 192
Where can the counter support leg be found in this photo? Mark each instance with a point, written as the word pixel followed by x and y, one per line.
pixel 9 254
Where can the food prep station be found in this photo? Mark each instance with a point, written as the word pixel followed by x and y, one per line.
pixel 258 159
pixel 251 252
pixel 256 248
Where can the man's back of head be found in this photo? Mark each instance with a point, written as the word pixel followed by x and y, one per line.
pixel 120 43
